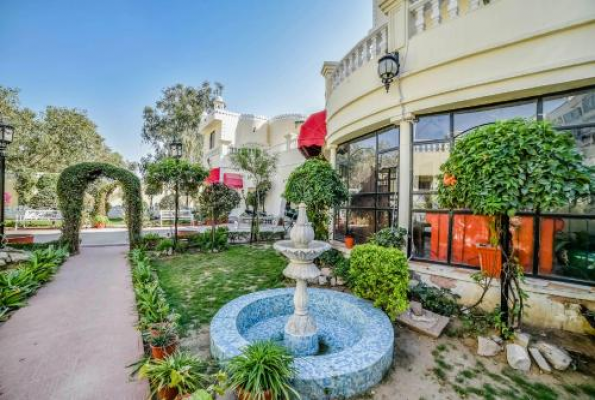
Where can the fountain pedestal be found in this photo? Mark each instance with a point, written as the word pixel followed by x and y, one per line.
pixel 301 333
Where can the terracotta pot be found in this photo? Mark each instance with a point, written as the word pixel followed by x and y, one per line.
pixel 246 396
pixel 490 259
pixel 183 396
pixel 167 393
pixel 21 239
pixel 349 242
pixel 159 353
pixel 99 225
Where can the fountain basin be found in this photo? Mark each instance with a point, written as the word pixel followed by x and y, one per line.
pixel 356 339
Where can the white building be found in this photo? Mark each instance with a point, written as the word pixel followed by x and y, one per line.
pixel 224 131
pixel 465 63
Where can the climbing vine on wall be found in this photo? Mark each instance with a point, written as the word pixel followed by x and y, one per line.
pixel 73 183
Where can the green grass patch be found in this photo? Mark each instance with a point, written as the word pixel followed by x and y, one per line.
pixel 198 285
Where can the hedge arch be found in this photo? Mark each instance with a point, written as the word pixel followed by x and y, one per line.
pixel 72 185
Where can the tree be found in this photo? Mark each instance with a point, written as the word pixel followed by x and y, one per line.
pixel 178 114
pixel 46 196
pixel 218 200
pixel 50 141
pixel 169 172
pixel 318 185
pixel 259 165
pixel 500 169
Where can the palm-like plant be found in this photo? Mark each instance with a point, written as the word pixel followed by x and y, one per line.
pixel 180 371
pixel 263 367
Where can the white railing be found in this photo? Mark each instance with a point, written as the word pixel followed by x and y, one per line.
pixel 371 47
pixel 285 146
pixel 418 9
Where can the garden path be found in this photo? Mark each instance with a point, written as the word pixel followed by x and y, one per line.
pixel 76 336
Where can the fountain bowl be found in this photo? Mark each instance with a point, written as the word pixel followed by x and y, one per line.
pixel 356 339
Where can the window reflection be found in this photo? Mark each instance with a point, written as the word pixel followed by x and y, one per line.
pixel 433 127
pixel 467 120
pixel 574 109
pixel 430 236
pixel 388 139
pixel 567 248
pixel 427 159
pixel 388 164
pixel 361 224
pixel 362 166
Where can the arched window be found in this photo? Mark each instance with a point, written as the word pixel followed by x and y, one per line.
pixel 212 140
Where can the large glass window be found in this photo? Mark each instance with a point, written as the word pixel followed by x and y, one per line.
pixel 370 167
pixel 565 238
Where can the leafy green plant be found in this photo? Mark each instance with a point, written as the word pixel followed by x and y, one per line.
pixel 181 371
pixel 18 284
pixel 380 274
pixel 262 367
pixel 100 220
pixel 164 245
pixel 171 171
pixel 439 300
pixel 500 169
pixel 390 237
pixel 318 185
pixel 218 200
pixel 73 183
pixel 329 258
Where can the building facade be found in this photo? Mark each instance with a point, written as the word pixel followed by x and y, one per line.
pixel 225 131
pixel 466 63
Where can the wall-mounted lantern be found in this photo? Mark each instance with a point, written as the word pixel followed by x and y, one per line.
pixel 388 68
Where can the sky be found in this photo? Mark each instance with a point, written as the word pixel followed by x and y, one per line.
pixel 113 57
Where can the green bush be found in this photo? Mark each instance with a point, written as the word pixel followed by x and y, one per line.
pixel 318 185
pixel 390 237
pixel 165 244
pixel 18 284
pixel 380 274
pixel 438 300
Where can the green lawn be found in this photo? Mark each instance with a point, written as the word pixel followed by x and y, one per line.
pixel 198 285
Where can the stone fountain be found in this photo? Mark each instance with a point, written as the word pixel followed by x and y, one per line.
pixel 301 333
pixel 342 344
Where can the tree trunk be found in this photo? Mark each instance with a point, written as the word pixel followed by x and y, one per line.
pixel 212 230
pixel 505 276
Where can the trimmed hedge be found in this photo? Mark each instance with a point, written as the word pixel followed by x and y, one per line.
pixel 72 184
pixel 380 274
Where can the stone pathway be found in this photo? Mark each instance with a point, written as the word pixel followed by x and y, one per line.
pixel 76 336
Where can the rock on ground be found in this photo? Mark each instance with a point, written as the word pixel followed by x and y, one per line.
pixel 541 362
pixel 557 357
pixel 522 339
pixel 487 347
pixel 517 357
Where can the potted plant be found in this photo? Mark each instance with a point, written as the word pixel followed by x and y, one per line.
pixel 349 239
pixel 490 254
pixel 100 221
pixel 162 341
pixel 262 372
pixel 179 374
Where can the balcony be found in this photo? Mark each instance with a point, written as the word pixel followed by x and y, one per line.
pixel 368 49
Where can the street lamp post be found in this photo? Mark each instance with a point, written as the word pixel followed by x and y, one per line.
pixel 175 149
pixel 6 135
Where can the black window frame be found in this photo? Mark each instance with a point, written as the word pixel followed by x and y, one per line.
pixel 376 194
pixel 537 216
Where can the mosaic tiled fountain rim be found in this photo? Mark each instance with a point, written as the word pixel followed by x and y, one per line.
pixel 350 371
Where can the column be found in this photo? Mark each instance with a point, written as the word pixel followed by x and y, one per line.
pixel 405 163
pixel 333 160
pixel 333 154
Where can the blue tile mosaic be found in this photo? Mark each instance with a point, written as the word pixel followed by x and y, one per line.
pixel 356 339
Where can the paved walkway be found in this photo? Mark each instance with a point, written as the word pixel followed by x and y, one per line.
pixel 76 336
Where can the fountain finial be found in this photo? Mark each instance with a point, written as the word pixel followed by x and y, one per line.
pixel 302 233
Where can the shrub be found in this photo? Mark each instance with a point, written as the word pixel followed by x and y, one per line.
pixel 329 258
pixel 181 371
pixel 318 185
pixel 263 366
pixel 380 274
pixel 18 284
pixel 438 300
pixel 165 244
pixel 390 237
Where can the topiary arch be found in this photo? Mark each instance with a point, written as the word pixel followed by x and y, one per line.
pixel 72 184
